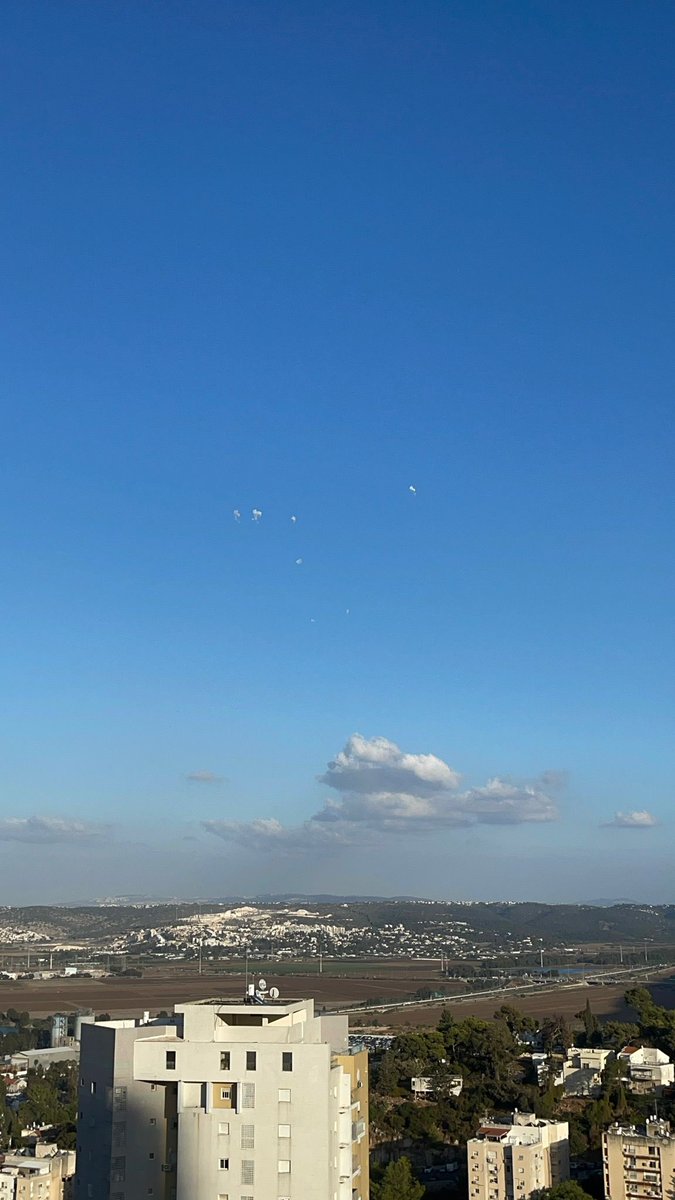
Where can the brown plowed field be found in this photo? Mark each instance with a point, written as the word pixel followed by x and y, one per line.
pixel 161 990
pixel 359 982
pixel 606 1002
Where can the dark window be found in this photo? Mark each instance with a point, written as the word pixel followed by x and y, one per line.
pixel 171 1060
pixel 151 1154
pixel 250 1060
pixel 224 1060
pixel 286 1061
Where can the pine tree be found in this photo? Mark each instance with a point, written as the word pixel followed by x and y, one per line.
pixel 399 1183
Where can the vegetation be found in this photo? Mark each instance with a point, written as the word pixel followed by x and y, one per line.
pixel 569 1190
pixel 497 1078
pixel 398 1183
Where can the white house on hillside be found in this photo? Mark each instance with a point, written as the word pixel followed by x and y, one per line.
pixel 647 1069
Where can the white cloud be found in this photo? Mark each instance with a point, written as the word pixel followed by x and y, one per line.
pixel 503 803
pixel 203 777
pixel 638 819
pixel 377 765
pixel 383 790
pixel 49 830
pixel 266 834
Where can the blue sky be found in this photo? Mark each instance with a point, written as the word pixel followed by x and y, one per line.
pixel 300 257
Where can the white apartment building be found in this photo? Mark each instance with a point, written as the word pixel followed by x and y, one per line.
pixel 510 1161
pixel 639 1162
pixel 223 1102
pixel 646 1069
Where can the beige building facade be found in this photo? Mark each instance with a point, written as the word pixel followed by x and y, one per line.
pixel 223 1102
pixel 45 1175
pixel 639 1161
pixel 510 1161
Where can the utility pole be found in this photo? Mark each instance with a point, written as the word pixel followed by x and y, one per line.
pixel 541 958
pixel 621 955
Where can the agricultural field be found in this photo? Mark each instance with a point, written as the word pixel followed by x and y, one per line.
pixel 338 985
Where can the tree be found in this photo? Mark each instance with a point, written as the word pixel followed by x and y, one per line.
pixel 590 1021
pixel 617 1034
pixel 399 1183
pixel 569 1190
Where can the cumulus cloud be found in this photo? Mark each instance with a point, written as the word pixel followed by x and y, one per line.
pixel 383 790
pixel 638 819
pixel 49 830
pixel 203 777
pixel 377 765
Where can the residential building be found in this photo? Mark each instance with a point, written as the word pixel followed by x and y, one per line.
pixel 510 1161
pixel 581 1073
pixel 46 1174
pixel 422 1086
pixel 639 1161
pixel 646 1069
pixel 246 1101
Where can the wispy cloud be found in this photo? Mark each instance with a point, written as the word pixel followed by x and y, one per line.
pixel 203 777
pixel 267 834
pixel 49 830
pixel 638 819
pixel 383 790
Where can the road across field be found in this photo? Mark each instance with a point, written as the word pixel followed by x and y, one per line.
pixel 161 989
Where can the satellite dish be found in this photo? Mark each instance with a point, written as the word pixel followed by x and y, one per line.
pixel 274 993
pixel 262 985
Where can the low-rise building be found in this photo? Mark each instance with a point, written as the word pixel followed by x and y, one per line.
pixel 646 1069
pixel 581 1073
pixel 24 1060
pixel 422 1086
pixel 510 1161
pixel 45 1174
pixel 639 1161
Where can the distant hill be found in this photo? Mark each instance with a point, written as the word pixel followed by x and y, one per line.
pixel 484 923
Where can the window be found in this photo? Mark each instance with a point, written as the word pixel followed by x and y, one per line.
pixel 284 1166
pixel 92 1088
pixel 247 1170
pixel 284 1131
pixel 287 1061
pixel 284 1095
pixel 171 1060
pixel 224 1164
pixel 226 1093
pixel 248 1137
pixel 153 1120
pixel 247 1099
pixel 251 1058
pixel 224 1060
pixel 151 1154
pixel 223 1128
